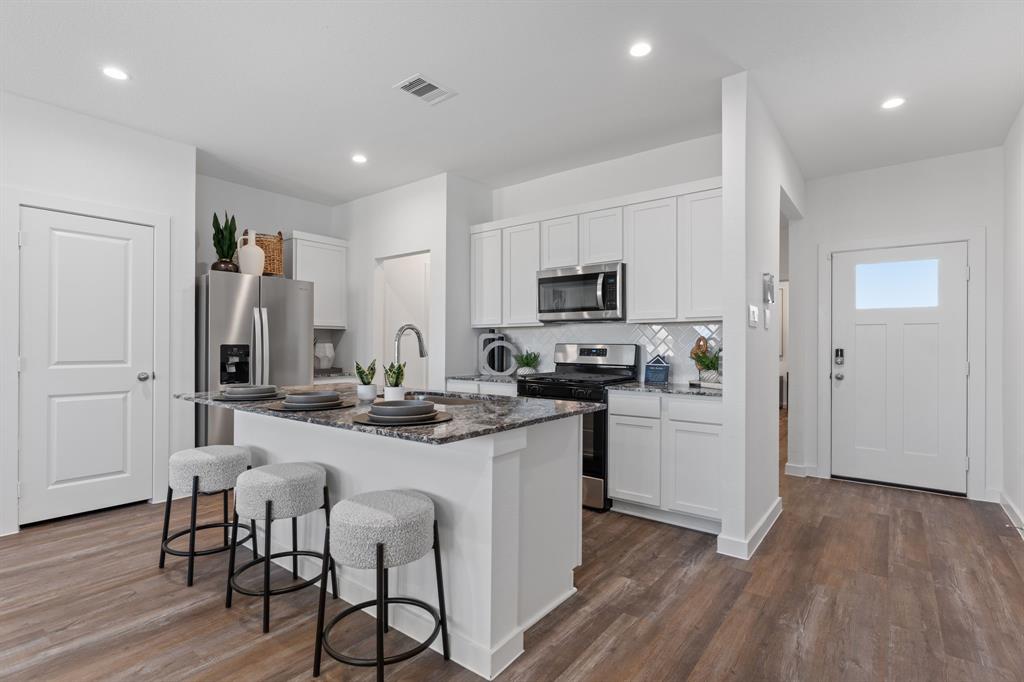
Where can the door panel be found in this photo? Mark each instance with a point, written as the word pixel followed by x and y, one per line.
pixel 289 327
pixel 86 424
pixel 899 396
pixel 651 255
pixel 521 260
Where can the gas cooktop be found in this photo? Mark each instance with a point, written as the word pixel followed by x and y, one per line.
pixel 570 377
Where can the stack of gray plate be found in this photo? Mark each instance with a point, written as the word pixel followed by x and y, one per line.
pixel 312 400
pixel 242 392
pixel 401 411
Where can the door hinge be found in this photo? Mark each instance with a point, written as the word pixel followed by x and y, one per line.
pixel 21 241
pixel 967 273
pixel 967 463
pixel 19 490
pixel 21 364
pixel 967 370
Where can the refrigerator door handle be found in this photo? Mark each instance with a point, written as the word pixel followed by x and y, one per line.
pixel 256 371
pixel 265 362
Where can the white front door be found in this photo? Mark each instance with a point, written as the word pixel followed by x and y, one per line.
pixel 899 366
pixel 86 395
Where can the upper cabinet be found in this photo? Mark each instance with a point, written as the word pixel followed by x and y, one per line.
pixel 700 255
pixel 601 236
pixel 651 265
pixel 520 262
pixel 560 243
pixel 485 279
pixel 324 262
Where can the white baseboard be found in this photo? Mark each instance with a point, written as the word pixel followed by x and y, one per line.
pixel 1013 513
pixel 681 519
pixel 801 470
pixel 745 548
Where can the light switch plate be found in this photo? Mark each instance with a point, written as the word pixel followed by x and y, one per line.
pixel 752 316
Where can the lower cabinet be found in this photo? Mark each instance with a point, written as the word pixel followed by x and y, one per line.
pixel 509 389
pixel 634 459
pixel 664 453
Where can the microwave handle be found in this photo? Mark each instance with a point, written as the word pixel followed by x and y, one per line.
pixel 600 291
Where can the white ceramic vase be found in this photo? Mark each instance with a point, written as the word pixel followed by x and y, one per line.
pixel 250 257
pixel 394 393
pixel 366 391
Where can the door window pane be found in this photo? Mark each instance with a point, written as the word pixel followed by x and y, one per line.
pixel 900 284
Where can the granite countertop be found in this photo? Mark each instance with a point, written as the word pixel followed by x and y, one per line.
pixel 484 416
pixel 489 378
pixel 672 389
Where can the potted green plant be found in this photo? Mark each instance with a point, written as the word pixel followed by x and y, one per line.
pixel 709 366
pixel 527 361
pixel 366 390
pixel 224 243
pixel 394 375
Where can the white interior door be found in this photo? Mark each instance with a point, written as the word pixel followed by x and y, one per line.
pixel 899 389
pixel 406 300
pixel 86 425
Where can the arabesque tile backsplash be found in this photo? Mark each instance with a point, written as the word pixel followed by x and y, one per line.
pixel 673 340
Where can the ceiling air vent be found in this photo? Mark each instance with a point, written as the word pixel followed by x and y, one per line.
pixel 431 93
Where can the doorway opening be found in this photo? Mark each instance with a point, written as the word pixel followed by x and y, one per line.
pixel 782 325
pixel 403 289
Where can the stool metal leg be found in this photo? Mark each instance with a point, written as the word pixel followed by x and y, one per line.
pixel 266 571
pixel 327 517
pixel 252 527
pixel 318 653
pixel 192 530
pixel 440 594
pixel 295 548
pixel 387 610
pixel 231 559
pixel 381 606
pixel 225 516
pixel 167 526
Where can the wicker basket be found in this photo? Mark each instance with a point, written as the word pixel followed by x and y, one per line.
pixel 273 250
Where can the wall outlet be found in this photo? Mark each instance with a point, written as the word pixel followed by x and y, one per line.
pixel 752 316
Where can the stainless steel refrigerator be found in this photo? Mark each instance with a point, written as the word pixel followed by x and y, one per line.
pixel 249 329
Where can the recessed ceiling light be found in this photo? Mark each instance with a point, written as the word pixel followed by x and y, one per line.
pixel 115 73
pixel 358 158
pixel 893 103
pixel 640 49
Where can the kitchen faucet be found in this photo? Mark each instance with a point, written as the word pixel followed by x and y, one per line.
pixel 398 339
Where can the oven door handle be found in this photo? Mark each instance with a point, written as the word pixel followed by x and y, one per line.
pixel 600 291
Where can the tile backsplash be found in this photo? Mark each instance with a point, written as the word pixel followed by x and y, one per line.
pixel 673 340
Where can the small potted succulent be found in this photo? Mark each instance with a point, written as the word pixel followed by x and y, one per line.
pixel 394 375
pixel 527 361
pixel 709 366
pixel 224 243
pixel 366 390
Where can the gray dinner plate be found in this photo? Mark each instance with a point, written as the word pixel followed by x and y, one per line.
pixel 302 397
pixel 365 419
pixel 311 407
pixel 401 408
pixel 396 419
pixel 246 389
pixel 246 398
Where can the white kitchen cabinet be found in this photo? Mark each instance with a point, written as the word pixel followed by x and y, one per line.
pixel 324 262
pixel 700 255
pixel 507 389
pixel 651 260
pixel 601 236
pixel 520 262
pixel 462 386
pixel 634 459
pixel 691 454
pixel 560 242
pixel 485 277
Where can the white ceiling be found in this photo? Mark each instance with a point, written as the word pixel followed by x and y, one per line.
pixel 279 95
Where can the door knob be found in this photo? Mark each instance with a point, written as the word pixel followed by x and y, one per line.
pixel 143 376
pixel 839 376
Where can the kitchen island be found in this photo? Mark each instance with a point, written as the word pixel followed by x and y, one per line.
pixel 504 474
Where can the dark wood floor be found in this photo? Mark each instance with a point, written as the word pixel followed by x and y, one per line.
pixel 855 582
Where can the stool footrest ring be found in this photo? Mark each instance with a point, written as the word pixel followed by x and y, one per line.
pixel 277 590
pixel 388 660
pixel 166 544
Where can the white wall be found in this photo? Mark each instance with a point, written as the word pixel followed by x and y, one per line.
pixel 760 180
pixel 934 196
pixel 1013 358
pixel 255 209
pixel 55 151
pixel 673 164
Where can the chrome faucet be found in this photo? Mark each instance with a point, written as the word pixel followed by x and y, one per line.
pixel 398 341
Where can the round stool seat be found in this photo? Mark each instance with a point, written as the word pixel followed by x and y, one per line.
pixel 293 489
pixel 217 466
pixel 401 520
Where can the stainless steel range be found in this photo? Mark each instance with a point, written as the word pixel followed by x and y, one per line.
pixel 583 371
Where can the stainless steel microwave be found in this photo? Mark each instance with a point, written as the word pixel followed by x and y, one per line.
pixel 586 293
